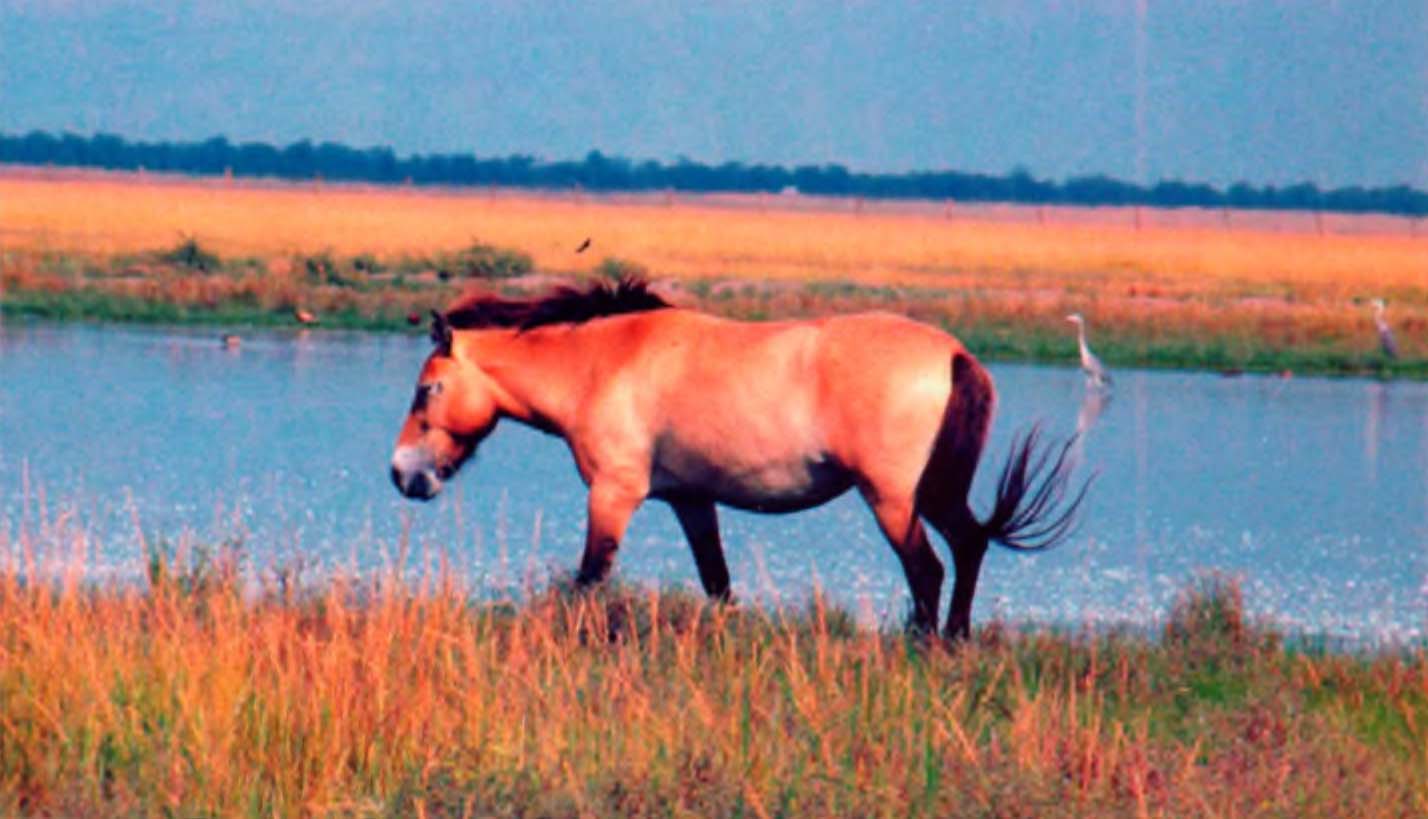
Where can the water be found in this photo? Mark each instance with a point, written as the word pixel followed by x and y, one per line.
pixel 1314 492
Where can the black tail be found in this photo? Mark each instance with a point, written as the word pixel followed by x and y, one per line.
pixel 1030 512
pixel 1033 485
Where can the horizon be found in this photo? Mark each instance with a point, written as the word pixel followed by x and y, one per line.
pixel 635 161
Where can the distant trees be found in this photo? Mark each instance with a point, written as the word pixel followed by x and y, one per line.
pixel 600 172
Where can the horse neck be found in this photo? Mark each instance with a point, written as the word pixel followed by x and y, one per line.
pixel 541 373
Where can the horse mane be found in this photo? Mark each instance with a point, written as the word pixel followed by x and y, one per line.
pixel 563 305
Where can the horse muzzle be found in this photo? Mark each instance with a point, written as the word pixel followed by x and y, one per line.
pixel 415 473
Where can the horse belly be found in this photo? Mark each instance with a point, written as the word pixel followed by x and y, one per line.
pixel 758 484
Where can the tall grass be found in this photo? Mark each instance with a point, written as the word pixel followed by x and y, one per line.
pixel 197 694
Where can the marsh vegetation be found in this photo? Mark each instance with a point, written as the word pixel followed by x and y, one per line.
pixel 1167 293
pixel 200 692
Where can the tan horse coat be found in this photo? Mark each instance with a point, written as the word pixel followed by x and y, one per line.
pixel 697 410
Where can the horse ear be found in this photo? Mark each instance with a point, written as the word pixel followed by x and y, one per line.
pixel 441 332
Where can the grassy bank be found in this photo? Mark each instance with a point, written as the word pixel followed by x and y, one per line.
pixel 189 283
pixel 1180 288
pixel 188 697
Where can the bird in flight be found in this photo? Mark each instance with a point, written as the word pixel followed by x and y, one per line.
pixel 585 245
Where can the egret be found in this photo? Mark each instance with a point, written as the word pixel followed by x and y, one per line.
pixel 1385 335
pixel 1096 374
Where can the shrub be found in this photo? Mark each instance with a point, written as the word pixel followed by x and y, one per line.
pixel 188 253
pixel 482 261
pixel 367 264
pixel 616 269
pixel 1208 618
pixel 323 268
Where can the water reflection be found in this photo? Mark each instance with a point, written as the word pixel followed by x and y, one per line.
pixel 1140 438
pixel 1093 403
pixel 1377 394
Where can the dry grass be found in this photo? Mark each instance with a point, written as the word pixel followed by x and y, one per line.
pixel 190 696
pixel 114 214
pixel 1171 284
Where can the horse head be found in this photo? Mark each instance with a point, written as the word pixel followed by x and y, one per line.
pixel 453 410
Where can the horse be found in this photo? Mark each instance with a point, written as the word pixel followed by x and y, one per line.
pixel 657 401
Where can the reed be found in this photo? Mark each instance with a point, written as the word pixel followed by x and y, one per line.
pixel 199 693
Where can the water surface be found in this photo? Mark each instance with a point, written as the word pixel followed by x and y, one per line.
pixel 1314 492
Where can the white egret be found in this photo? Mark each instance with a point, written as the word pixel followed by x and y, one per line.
pixel 1096 373
pixel 1385 335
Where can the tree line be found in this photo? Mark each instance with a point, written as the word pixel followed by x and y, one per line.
pixel 600 172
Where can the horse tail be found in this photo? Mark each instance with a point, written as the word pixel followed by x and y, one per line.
pixel 965 422
pixel 1031 511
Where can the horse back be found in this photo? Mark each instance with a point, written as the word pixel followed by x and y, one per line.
pixel 864 393
pixel 888 383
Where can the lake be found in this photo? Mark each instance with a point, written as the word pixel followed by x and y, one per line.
pixel 1312 491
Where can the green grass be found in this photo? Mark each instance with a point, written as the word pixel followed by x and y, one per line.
pixel 1169 349
pixel 98 306
pixel 190 285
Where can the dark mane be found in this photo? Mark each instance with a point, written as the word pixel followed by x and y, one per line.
pixel 564 305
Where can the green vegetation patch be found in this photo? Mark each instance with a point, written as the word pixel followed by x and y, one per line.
pixel 188 283
pixel 190 255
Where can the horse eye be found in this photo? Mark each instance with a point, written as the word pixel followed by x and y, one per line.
pixel 423 393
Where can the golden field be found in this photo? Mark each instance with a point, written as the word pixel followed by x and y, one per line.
pixel 119 213
pixel 1160 278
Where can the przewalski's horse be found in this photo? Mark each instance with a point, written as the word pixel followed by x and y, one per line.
pixel 696 410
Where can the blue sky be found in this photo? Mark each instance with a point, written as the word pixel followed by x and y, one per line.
pixel 1211 90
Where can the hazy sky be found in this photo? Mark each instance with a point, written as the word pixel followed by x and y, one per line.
pixel 1213 90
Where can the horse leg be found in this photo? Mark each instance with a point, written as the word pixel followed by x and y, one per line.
pixel 701 527
pixel 968 542
pixel 947 480
pixel 897 517
pixel 609 513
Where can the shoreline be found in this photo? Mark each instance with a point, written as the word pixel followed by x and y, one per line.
pixel 996 338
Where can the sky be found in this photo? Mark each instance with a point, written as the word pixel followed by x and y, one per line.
pixel 1333 92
